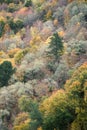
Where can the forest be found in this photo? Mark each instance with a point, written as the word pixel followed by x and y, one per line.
pixel 43 64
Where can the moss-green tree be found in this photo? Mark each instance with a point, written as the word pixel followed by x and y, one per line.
pixel 6 70
pixel 56 47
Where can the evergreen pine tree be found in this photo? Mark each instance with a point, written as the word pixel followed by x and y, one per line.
pixel 6 70
pixel 56 47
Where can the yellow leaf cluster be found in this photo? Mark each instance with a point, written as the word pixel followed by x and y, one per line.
pixel 33 31
pixel 55 22
pixel 35 40
pixel 6 28
pixel 75 83
pixel 50 104
pixel 35 43
pixel 12 52
pixel 34 48
pixel 39 128
pixel 2 18
pixel 49 14
pixel 61 33
pixel 22 122
pixel 8 59
pixel 48 40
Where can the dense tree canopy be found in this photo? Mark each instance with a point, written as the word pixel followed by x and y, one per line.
pixel 76 89
pixel 64 108
pixel 46 41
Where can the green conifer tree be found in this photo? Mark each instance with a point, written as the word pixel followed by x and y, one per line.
pixel 56 47
pixel 6 70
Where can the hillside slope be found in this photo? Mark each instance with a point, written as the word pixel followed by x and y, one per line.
pixel 45 41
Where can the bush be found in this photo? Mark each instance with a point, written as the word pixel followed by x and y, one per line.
pixel 6 1
pixel 75 51
pixel 15 25
pixel 11 7
pixel 74 20
pixel 33 74
pixel 51 66
pixel 19 55
pixel 77 47
pixel 75 10
pixel 59 14
pixel 48 15
pixel 28 3
pixel 2 25
pixel 61 74
pixel 12 52
pixel 11 43
pixel 10 1
pixel 3 55
pixel 22 122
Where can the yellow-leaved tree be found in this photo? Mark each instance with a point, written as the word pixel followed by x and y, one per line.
pixel 67 109
pixel 76 89
pixel 22 121
pixel 56 112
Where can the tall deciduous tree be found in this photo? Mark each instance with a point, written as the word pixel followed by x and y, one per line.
pixel 57 112
pixel 76 89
